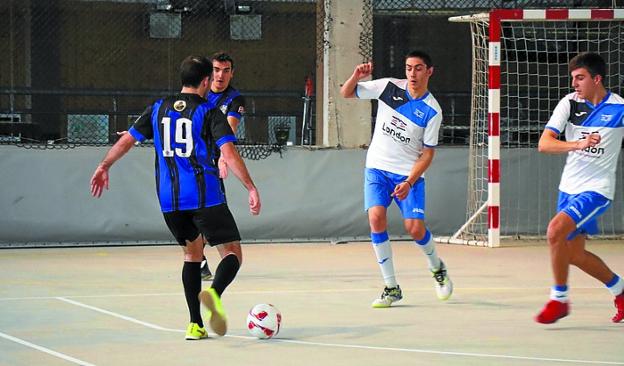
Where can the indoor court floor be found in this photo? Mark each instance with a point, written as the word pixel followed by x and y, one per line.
pixel 125 306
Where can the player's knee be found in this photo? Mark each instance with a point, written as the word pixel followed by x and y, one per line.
pixel 555 233
pixel 417 232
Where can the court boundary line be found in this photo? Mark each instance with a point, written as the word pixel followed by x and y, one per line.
pixel 290 291
pixel 45 350
pixel 352 346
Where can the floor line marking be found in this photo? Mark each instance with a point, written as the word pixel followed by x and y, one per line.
pixel 289 291
pixel 45 350
pixel 120 316
pixel 338 345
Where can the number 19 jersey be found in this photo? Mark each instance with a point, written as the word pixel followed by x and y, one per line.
pixel 187 131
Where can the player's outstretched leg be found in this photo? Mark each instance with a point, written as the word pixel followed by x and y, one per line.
pixel 211 298
pixel 443 285
pixel 206 275
pixel 383 250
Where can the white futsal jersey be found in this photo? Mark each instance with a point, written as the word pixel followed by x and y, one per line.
pixel 593 168
pixel 403 125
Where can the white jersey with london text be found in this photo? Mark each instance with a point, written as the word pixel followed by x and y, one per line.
pixel 404 125
pixel 593 168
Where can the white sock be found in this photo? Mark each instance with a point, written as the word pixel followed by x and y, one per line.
pixel 616 285
pixel 559 293
pixel 383 251
pixel 427 245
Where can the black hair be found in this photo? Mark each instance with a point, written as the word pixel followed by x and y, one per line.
pixel 593 62
pixel 222 57
pixel 194 69
pixel 421 55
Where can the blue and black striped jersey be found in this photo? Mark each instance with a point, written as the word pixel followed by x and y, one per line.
pixel 188 131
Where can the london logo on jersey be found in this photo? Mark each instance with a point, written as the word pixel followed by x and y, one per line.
pixel 419 113
pixel 393 130
pixel 595 152
pixel 179 105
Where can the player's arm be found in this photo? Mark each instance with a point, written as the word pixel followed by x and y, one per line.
pixel 235 112
pixel 238 167
pixel 360 72
pixel 402 189
pixel 99 180
pixel 550 144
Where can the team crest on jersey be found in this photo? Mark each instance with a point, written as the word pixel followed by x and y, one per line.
pixel 606 117
pixel 398 123
pixel 223 109
pixel 179 105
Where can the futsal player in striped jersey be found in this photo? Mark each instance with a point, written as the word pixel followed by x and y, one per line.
pixel 593 121
pixel 188 131
pixel 402 148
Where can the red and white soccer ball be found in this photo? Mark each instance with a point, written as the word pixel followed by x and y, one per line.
pixel 263 321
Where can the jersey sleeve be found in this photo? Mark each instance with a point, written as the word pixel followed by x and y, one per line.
pixel 220 128
pixel 370 89
pixel 237 107
pixel 432 131
pixel 142 128
pixel 560 116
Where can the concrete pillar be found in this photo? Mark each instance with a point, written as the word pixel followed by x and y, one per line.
pixel 345 122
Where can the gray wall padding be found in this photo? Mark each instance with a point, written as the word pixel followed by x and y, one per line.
pixel 306 195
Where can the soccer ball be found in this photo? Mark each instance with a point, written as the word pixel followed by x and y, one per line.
pixel 263 321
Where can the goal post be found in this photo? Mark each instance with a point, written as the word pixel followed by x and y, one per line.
pixel 519 74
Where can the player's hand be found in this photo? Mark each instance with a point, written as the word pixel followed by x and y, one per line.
pixel 401 190
pixel 363 70
pixel 223 170
pixel 590 140
pixel 99 181
pixel 254 202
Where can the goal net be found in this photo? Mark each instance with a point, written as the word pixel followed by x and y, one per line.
pixel 519 74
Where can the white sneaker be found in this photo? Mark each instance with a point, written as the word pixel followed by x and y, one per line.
pixel 388 296
pixel 444 285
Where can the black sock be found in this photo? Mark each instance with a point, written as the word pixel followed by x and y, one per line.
pixel 226 271
pixel 191 279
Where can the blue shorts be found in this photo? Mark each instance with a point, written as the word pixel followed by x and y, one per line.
pixel 584 208
pixel 379 185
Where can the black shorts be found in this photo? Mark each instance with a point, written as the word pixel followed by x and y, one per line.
pixel 216 223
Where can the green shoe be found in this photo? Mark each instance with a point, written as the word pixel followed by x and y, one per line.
pixel 214 311
pixel 195 332
pixel 388 296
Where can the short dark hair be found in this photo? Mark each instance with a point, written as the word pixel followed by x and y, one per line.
pixel 593 62
pixel 194 69
pixel 222 57
pixel 421 55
